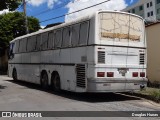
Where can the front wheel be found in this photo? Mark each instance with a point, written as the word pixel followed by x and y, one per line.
pixel 14 75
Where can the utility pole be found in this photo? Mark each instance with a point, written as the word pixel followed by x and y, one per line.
pixel 25 14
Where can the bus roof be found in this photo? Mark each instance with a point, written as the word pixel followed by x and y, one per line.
pixel 111 11
pixel 73 22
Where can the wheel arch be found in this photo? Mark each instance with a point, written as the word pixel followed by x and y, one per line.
pixel 41 74
pixel 14 69
pixel 14 74
pixel 53 74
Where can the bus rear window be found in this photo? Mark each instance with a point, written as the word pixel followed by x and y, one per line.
pixel 121 27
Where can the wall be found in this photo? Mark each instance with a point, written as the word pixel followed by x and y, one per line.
pixel 153 48
pixel 143 13
pixel 151 8
pixel 158 7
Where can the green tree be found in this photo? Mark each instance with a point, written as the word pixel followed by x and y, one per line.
pixel 12 25
pixel 11 5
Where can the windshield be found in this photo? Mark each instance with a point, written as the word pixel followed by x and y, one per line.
pixel 11 49
pixel 121 27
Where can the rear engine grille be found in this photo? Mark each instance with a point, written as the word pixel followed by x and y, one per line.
pixel 81 75
pixel 101 57
pixel 142 59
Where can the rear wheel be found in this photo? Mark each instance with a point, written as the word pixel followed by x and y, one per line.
pixel 56 83
pixel 44 80
pixel 14 75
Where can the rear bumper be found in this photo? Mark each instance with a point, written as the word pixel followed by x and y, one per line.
pixel 115 85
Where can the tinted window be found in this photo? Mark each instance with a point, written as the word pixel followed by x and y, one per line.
pixel 83 33
pixel 38 42
pixel 31 45
pixel 23 44
pixel 150 4
pixel 66 37
pixel 11 51
pixel 75 34
pixel 17 46
pixel 148 14
pixel 147 5
pixel 140 7
pixel 151 13
pixel 50 40
pixel 58 38
pixel 11 46
pixel 44 41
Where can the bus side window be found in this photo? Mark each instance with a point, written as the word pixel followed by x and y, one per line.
pixel 50 40
pixel 31 44
pixel 44 41
pixel 75 35
pixel 58 38
pixel 34 43
pixel 66 37
pixel 23 45
pixel 17 46
pixel 20 45
pixel 38 42
pixel 84 33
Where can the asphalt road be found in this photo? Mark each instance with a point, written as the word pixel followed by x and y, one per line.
pixel 22 96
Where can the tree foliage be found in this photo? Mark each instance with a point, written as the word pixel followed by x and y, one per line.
pixel 12 25
pixel 11 5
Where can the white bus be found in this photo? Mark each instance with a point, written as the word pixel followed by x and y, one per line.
pixel 102 52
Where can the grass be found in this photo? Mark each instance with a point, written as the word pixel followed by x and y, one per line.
pixel 151 93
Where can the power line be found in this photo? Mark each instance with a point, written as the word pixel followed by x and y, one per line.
pixel 48 10
pixel 74 12
pixel 20 7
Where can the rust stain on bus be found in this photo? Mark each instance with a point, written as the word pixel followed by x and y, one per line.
pixel 121 36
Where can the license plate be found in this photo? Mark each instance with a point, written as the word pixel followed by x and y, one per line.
pixel 123 71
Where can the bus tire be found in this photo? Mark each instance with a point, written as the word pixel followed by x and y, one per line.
pixel 14 75
pixel 44 80
pixel 56 84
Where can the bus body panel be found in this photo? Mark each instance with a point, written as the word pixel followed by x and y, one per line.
pixel 78 66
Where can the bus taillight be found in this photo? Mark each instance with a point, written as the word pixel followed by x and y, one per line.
pixel 135 74
pixel 110 74
pixel 142 74
pixel 100 74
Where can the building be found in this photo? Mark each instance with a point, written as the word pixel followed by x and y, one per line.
pixel 148 9
pixel 153 48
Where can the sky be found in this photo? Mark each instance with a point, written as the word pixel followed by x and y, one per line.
pixel 49 9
